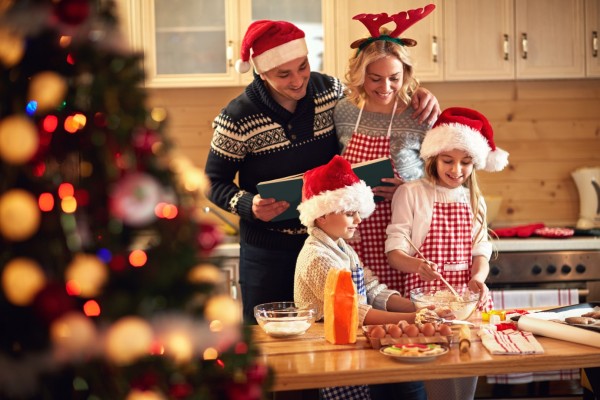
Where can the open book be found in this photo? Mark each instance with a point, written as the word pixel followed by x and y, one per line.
pixel 289 188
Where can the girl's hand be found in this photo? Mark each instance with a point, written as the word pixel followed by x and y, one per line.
pixel 427 271
pixel 481 288
pixel 267 209
pixel 387 192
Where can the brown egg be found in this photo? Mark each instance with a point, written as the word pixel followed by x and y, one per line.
pixel 394 331
pixel 428 329
pixel 377 332
pixel 403 324
pixel 411 330
pixel 445 330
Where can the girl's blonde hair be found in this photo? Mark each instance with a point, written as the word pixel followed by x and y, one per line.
pixel 357 69
pixel 479 214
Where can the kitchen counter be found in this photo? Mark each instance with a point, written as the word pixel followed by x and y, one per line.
pixel 547 244
pixel 309 361
pixel 501 245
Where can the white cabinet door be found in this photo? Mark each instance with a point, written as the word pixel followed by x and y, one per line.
pixel 550 37
pixel 592 28
pixel 479 40
pixel 427 32
pixel 195 43
pixel 188 42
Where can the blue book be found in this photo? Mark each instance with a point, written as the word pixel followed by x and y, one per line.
pixel 289 188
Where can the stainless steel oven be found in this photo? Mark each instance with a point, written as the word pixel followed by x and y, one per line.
pixel 540 264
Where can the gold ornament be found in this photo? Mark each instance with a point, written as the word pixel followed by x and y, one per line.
pixel 22 279
pixel 128 339
pixel 224 309
pixel 74 337
pixel 48 89
pixel 19 215
pixel 87 273
pixel 12 46
pixel 205 273
pixel 137 394
pixel 19 139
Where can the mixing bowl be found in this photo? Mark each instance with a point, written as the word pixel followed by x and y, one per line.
pixel 462 306
pixel 285 318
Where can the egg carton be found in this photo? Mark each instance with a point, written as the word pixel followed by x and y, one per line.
pixel 388 340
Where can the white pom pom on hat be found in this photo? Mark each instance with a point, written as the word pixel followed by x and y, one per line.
pixel 272 43
pixel 334 187
pixel 468 130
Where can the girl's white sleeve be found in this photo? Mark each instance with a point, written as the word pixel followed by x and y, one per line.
pixel 401 222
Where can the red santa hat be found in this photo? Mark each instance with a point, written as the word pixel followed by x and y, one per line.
pixel 271 43
pixel 331 188
pixel 467 130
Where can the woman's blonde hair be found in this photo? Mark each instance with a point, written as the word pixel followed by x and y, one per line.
pixel 378 49
pixel 479 214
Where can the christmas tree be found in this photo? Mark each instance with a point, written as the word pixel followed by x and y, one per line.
pixel 107 289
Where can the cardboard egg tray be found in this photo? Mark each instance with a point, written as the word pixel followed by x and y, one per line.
pixel 387 340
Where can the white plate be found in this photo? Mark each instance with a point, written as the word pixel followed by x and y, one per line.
pixel 413 359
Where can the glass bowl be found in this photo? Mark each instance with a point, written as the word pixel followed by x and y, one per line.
pixel 443 299
pixel 285 318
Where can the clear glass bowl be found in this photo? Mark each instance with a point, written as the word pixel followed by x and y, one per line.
pixel 285 318
pixel 443 299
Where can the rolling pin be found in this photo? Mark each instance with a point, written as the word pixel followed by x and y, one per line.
pixel 464 337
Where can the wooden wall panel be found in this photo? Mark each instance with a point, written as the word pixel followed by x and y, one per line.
pixel 550 128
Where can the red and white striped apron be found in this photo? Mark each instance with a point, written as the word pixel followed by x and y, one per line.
pixel 448 244
pixel 369 241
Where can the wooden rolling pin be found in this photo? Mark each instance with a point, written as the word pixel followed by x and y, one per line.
pixel 464 339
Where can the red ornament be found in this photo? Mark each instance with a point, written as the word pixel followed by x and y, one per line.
pixel 209 236
pixel 257 373
pixel 144 139
pixel 52 302
pixel 72 12
pixel 180 390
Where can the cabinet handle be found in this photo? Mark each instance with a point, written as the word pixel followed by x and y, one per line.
pixel 594 44
pixel 434 49
pixel 229 53
pixel 505 47
pixel 524 44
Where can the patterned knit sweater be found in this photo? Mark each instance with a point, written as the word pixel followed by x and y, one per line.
pixel 320 254
pixel 259 140
pixel 405 140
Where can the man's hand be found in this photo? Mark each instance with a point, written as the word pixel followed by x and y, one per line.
pixel 387 192
pixel 426 106
pixel 267 209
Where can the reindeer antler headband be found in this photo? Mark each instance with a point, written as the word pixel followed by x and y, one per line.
pixel 403 20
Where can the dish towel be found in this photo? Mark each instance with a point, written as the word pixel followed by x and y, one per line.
pixel 516 299
pixel 510 342
pixel 507 299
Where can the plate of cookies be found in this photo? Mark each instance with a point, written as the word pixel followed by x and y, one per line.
pixel 414 352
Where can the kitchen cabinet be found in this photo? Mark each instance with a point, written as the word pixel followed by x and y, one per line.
pixel 427 32
pixel 195 43
pixel 507 39
pixel 592 27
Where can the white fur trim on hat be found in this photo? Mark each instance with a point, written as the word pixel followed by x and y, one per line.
pixel 496 160
pixel 453 136
pixel 358 197
pixel 242 66
pixel 279 55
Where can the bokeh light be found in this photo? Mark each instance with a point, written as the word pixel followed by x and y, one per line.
pixel 138 258
pixel 46 202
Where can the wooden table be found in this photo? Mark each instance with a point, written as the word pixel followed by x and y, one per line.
pixel 309 361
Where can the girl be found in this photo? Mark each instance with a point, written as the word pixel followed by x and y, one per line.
pixel 444 216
